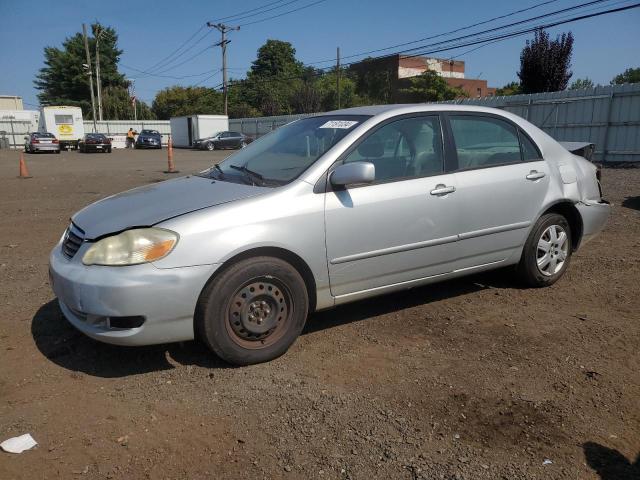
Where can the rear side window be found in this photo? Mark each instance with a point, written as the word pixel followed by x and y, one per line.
pixel 529 150
pixel 484 141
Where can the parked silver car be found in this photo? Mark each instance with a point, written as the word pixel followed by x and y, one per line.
pixel 324 211
pixel 41 142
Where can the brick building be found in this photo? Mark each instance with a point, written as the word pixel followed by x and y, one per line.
pixel 401 67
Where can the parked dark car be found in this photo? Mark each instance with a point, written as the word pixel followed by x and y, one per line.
pixel 223 140
pixel 149 139
pixel 94 142
pixel 41 142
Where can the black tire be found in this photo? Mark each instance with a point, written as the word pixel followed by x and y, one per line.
pixel 528 269
pixel 253 311
pixel 57 152
pixel 210 146
pixel 109 150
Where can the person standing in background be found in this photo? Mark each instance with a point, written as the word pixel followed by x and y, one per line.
pixel 131 138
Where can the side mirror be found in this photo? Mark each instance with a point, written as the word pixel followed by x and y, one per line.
pixel 26 138
pixel 352 173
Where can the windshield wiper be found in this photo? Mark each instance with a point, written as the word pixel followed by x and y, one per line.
pixel 249 173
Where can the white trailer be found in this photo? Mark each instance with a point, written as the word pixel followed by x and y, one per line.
pixel 186 130
pixel 64 122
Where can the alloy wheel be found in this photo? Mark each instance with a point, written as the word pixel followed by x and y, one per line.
pixel 553 250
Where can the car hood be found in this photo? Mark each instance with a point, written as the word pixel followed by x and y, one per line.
pixel 151 204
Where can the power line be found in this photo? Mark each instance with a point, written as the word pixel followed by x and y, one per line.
pixel 237 18
pixel 282 14
pixel 473 25
pixel 247 11
pixel 512 34
pixel 188 59
pixel 176 54
pixel 174 51
pixel 486 40
pixel 180 77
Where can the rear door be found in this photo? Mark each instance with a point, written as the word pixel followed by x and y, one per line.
pixel 403 226
pixel 501 182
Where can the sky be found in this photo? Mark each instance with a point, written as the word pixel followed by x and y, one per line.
pixel 150 31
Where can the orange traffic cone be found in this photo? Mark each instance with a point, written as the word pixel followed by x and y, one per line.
pixel 171 167
pixel 24 173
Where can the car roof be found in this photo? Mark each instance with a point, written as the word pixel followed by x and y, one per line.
pixel 401 108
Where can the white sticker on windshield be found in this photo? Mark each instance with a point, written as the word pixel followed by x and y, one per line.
pixel 338 124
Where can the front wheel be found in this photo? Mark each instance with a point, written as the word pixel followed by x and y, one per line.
pixel 253 311
pixel 547 251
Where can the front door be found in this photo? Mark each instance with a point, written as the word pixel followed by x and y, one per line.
pixel 402 227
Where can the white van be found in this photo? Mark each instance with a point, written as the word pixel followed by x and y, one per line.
pixel 64 122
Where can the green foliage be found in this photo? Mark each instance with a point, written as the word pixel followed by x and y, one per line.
pixel 512 88
pixel 545 63
pixel 581 83
pixel 64 81
pixel 429 87
pixel 117 105
pixel 178 101
pixel 372 82
pixel 630 75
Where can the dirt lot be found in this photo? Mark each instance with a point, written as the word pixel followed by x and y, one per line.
pixel 469 379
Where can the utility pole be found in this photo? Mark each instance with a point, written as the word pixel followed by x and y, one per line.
pixel 223 29
pixel 90 73
pixel 98 81
pixel 338 76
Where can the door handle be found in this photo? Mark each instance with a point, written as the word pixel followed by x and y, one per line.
pixel 442 189
pixel 535 175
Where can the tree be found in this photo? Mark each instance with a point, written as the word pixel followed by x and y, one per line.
pixel 271 80
pixel 372 82
pixel 178 101
pixel 429 87
pixel 117 105
pixel 64 81
pixel 545 63
pixel 581 83
pixel 511 88
pixel 630 75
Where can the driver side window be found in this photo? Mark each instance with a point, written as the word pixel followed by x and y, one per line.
pixel 403 149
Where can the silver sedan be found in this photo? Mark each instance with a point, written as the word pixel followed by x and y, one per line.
pixel 323 211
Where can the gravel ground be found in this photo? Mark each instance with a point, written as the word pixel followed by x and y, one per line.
pixel 469 379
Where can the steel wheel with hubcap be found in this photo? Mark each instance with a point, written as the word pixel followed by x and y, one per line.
pixel 210 146
pixel 253 310
pixel 258 312
pixel 547 251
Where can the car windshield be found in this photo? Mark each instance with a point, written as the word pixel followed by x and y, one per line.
pixel 282 155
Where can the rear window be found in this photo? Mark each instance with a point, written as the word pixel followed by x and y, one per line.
pixel 96 136
pixel 63 119
pixel 150 132
pixel 484 141
pixel 44 135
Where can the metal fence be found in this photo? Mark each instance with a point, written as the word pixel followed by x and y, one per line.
pixel 121 127
pixel 256 127
pixel 12 132
pixel 608 116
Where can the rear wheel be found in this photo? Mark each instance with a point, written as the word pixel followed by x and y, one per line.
pixel 210 146
pixel 253 311
pixel 547 252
